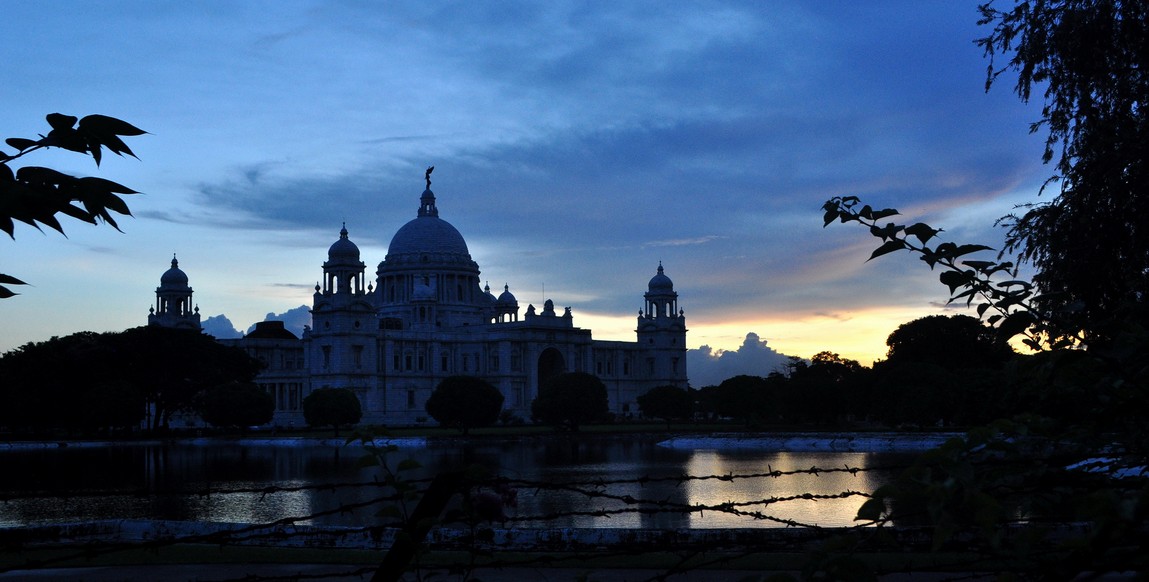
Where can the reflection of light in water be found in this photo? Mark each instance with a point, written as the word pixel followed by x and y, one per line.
pixel 256 507
pixel 823 512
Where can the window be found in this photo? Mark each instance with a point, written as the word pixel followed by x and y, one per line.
pixel 410 399
pixel 674 365
pixel 466 363
pixel 422 363
pixel 407 362
pixel 357 355
pixel 444 363
pixel 494 362
pixel 326 356
pixel 395 362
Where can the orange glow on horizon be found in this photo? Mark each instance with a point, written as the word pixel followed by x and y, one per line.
pixel 857 335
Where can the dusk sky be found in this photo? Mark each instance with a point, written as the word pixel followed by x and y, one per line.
pixel 576 146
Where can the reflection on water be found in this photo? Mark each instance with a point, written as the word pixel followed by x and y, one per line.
pixel 225 482
pixel 807 511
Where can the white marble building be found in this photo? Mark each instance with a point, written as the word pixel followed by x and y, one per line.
pixel 425 317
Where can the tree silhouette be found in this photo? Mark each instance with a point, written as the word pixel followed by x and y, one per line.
pixel 465 402
pixel 237 405
pixel 569 400
pixel 667 402
pixel 334 407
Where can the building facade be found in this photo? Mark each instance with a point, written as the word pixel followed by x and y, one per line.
pixel 425 316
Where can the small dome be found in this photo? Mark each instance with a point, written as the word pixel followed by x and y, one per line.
pixel 660 282
pixel 506 298
pixel 174 277
pixel 343 250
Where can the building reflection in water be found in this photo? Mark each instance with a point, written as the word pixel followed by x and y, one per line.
pixel 173 482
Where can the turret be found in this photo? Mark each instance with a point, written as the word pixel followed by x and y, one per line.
pixel 173 306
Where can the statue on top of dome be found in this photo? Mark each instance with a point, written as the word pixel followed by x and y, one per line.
pixel 428 176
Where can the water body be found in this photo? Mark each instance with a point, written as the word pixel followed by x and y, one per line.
pixel 600 482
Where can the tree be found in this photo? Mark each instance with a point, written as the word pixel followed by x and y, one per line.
pixel 334 407
pixel 1091 251
pixel 35 195
pixel 174 366
pixel 81 380
pixel 667 402
pixel 1090 243
pixel 952 342
pixel 745 398
pixel 465 402
pixel 822 391
pixel 571 399
pixel 237 405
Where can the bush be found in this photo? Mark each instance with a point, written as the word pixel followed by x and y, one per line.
pixel 465 402
pixel 570 399
pixel 334 407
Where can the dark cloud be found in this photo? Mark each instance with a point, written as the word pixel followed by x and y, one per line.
pixel 220 327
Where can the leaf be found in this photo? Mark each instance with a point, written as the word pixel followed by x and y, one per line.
pixel 887 248
pixel 979 265
pixel 967 249
pixel 884 213
pixel 830 216
pixel 109 125
pixel 6 293
pixel 20 143
pixel 61 121
pixel 922 231
pixel 1016 283
pixel 871 510
pixel 955 279
pixel 10 280
pixel 1014 324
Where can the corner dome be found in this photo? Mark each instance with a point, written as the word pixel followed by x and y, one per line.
pixel 174 277
pixel 506 298
pixel 660 282
pixel 343 250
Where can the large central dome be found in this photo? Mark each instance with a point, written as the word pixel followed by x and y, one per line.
pixel 428 240
pixel 427 234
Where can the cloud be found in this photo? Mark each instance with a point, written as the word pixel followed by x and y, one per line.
pixel 709 367
pixel 220 327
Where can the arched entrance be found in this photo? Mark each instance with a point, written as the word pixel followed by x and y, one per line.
pixel 551 364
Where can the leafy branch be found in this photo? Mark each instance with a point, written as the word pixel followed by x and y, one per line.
pixel 34 195
pixel 993 285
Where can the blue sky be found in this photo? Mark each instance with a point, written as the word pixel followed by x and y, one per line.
pixel 576 145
